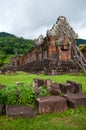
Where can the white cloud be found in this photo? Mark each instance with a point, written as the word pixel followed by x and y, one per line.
pixel 30 18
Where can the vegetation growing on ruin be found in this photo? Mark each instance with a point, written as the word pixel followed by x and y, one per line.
pixel 82 47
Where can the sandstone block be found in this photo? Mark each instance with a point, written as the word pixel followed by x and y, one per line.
pixel 66 88
pixel 51 104
pixel 54 89
pixel 20 111
pixel 38 82
pixel 77 86
pixel 75 100
pixel 48 83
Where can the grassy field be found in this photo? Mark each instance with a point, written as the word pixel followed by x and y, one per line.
pixel 28 78
pixel 68 120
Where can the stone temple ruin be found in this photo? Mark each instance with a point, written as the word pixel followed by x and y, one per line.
pixel 53 54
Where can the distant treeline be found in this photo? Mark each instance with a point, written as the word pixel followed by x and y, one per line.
pixel 80 41
pixel 10 44
pixel 3 34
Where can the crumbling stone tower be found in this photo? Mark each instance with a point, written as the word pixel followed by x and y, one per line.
pixel 63 51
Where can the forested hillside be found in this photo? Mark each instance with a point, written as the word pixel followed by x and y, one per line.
pixel 10 44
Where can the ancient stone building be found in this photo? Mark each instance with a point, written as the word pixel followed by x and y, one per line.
pixel 57 52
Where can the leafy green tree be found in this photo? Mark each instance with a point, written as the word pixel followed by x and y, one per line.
pixel 10 44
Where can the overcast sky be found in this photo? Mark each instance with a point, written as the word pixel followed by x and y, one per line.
pixel 30 18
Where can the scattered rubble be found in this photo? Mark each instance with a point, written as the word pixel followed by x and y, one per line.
pixel 57 88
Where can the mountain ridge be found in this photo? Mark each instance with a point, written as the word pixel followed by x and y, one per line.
pixel 5 34
pixel 80 41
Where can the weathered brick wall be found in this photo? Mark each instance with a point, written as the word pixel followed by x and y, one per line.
pixel 52 52
pixel 21 62
pixel 45 54
pixel 52 49
pixel 64 55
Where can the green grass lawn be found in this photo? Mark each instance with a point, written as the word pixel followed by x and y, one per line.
pixel 68 120
pixel 28 78
pixel 72 119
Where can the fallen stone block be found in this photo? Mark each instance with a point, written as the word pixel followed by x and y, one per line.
pixel 75 100
pixel 77 86
pixel 51 104
pixel 2 86
pixel 38 82
pixel 66 88
pixel 48 83
pixel 54 89
pixel 20 111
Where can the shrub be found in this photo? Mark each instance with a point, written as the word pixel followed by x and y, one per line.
pixel 18 95
pixel 9 95
pixel 26 95
pixel 43 91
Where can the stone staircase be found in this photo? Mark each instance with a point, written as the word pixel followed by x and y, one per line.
pixel 79 58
